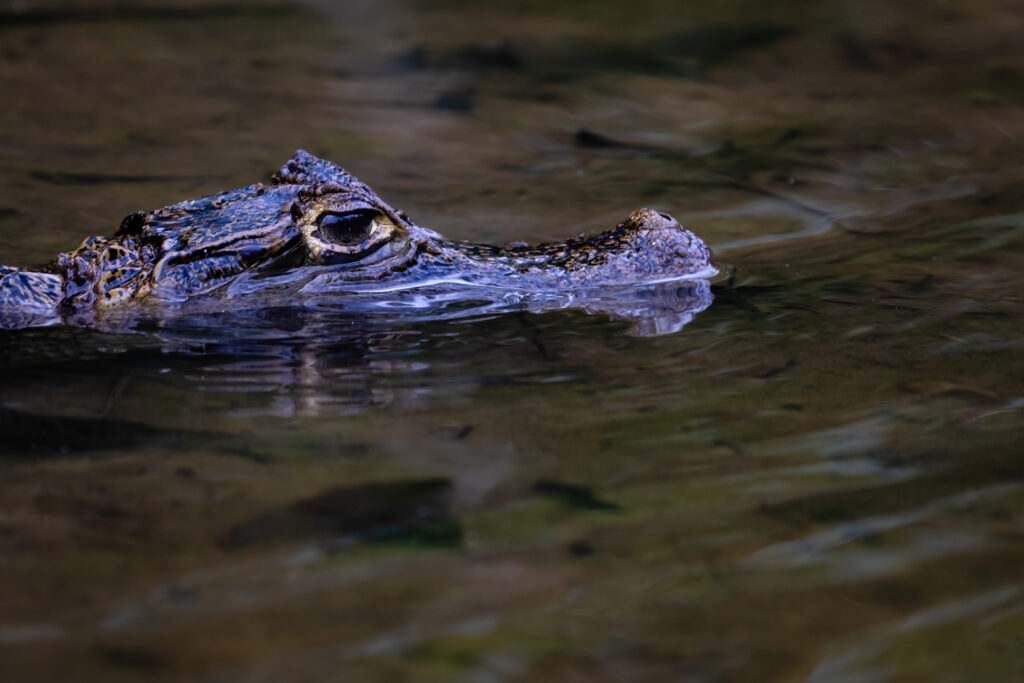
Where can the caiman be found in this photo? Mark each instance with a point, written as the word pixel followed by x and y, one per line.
pixel 316 230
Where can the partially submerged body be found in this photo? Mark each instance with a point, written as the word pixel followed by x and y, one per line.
pixel 315 230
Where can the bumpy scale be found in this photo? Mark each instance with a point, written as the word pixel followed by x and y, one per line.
pixel 320 227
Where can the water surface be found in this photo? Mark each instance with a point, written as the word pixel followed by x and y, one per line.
pixel 818 478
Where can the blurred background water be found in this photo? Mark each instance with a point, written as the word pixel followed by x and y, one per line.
pixel 820 478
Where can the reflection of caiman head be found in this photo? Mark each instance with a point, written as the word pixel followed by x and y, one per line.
pixel 317 230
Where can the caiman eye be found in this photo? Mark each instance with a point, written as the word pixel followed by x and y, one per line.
pixel 348 229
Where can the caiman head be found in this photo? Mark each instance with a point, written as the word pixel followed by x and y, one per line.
pixel 312 216
pixel 315 229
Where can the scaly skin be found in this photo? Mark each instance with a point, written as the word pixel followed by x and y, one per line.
pixel 316 229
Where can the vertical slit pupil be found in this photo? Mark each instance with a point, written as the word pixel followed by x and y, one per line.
pixel 349 228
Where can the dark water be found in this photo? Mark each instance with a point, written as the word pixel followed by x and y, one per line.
pixel 820 478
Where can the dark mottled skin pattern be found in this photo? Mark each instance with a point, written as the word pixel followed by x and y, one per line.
pixel 253 238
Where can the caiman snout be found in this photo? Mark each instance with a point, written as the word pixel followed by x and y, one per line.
pixel 652 220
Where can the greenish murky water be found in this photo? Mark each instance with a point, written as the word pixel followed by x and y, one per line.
pixel 820 478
